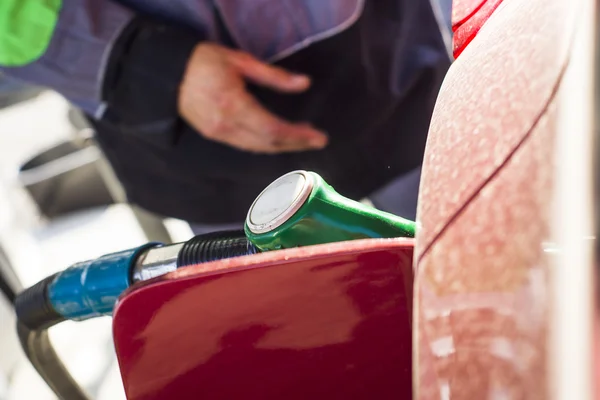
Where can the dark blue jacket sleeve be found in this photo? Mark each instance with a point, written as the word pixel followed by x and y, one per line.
pixel 105 56
pixel 75 61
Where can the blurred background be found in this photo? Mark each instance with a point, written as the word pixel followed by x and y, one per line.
pixel 46 151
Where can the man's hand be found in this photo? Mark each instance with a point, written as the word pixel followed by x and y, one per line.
pixel 213 99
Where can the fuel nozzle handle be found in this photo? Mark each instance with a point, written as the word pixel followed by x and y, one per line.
pixel 301 209
pixel 298 209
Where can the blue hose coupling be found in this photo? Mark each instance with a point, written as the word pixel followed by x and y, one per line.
pixel 91 288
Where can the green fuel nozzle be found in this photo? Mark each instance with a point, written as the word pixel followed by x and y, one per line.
pixel 301 209
pixel 298 209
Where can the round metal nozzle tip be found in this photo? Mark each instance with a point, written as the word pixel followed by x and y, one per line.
pixel 279 201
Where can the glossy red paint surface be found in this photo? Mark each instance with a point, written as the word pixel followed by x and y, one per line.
pixel 468 18
pixel 463 9
pixel 322 322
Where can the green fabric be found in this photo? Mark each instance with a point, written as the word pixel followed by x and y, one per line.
pixel 26 28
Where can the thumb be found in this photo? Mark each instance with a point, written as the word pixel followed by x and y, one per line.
pixel 268 75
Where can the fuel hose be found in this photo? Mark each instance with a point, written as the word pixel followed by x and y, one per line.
pixel 91 288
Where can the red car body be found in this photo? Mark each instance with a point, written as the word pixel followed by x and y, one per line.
pixel 499 227
pixel 331 321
